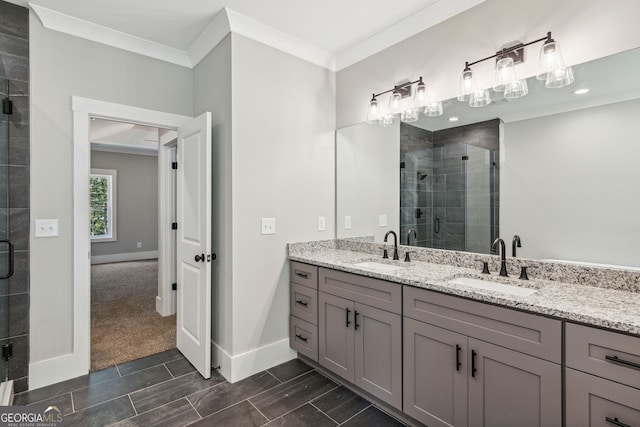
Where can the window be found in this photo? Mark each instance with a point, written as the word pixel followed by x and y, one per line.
pixel 102 221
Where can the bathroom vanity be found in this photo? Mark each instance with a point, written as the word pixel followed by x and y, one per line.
pixel 446 345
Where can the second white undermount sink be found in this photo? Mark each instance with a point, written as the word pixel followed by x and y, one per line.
pixel 378 266
pixel 493 286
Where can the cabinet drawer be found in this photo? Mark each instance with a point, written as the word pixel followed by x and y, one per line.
pixel 593 401
pixel 304 274
pixel 595 351
pixel 303 337
pixel 304 303
pixel 535 335
pixel 372 292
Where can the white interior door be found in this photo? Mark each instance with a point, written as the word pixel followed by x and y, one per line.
pixel 194 257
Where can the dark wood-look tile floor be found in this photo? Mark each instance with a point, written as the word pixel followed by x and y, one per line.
pixel 165 390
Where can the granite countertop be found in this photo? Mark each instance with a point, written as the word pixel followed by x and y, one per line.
pixel 615 309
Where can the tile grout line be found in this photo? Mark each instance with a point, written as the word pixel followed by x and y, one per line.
pixel 118 371
pixel 297 407
pixel 259 411
pixel 356 414
pixel 277 379
pixel 170 373
pixel 73 406
pixel 324 413
pixel 132 405
pixel 194 408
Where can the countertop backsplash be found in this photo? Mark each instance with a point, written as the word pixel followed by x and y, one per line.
pixel 603 277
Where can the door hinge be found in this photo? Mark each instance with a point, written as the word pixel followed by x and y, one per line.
pixel 174 225
pixel 174 165
pixel 174 286
pixel 7 106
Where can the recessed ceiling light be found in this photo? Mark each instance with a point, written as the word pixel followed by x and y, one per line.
pixel 453 119
pixel 581 91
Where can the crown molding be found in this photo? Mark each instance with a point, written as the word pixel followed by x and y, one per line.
pixel 438 11
pixel 87 30
pixel 229 20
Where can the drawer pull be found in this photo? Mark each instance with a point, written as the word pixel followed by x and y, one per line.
pixel 302 274
pixel 615 422
pixel 301 337
pixel 458 363
pixel 615 359
pixel 473 363
pixel 302 303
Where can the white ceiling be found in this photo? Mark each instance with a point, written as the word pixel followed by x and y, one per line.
pixel 119 137
pixel 334 26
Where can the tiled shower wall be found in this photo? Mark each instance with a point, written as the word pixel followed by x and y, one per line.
pixel 14 209
pixel 456 205
pixel 416 183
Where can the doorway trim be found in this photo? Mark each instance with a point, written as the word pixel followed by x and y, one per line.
pixel 78 361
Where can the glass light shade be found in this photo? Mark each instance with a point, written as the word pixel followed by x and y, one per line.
pixel 410 115
pixel 388 120
pixel 434 109
pixel 559 78
pixel 516 89
pixel 480 98
pixel 395 104
pixel 550 60
pixel 505 74
pixel 373 112
pixel 467 85
pixel 421 97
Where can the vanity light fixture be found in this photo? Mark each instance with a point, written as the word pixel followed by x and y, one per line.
pixel 402 105
pixel 551 68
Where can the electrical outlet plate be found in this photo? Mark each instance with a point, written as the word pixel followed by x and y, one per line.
pixel 46 228
pixel 322 223
pixel 268 226
pixel 347 222
pixel 382 221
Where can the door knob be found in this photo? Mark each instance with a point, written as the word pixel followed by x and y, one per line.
pixel 199 258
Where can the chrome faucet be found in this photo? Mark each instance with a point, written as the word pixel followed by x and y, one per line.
pixel 503 259
pixel 415 237
pixel 395 243
pixel 515 243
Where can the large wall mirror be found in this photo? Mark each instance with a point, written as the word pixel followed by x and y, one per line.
pixel 559 169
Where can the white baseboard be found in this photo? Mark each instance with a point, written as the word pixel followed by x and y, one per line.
pixel 241 366
pixel 56 369
pixel 6 393
pixel 130 256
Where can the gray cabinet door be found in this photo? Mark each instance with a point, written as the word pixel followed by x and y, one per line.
pixel 435 375
pixel 509 389
pixel 336 340
pixel 593 401
pixel 378 353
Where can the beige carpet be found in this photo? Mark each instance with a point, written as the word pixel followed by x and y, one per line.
pixel 124 322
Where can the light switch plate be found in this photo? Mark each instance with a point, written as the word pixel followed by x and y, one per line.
pixel 382 220
pixel 268 226
pixel 322 223
pixel 46 228
pixel 347 222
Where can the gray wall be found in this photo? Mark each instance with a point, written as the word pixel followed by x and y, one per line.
pixel 568 185
pixel 137 202
pixel 282 167
pixel 266 163
pixel 63 66
pixel 212 77
pixel 14 173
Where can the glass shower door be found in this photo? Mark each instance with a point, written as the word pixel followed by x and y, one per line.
pixel 6 248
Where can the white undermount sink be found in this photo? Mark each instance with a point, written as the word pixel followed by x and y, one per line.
pixel 378 266
pixel 493 286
